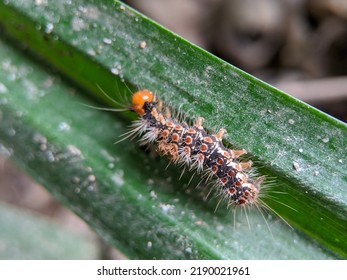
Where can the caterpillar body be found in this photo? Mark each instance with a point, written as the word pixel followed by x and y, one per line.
pixel 193 147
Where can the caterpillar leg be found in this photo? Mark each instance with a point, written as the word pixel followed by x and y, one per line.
pixel 198 122
pixel 167 113
pixel 220 134
pixel 246 165
pixel 160 105
pixel 238 153
pixel 259 181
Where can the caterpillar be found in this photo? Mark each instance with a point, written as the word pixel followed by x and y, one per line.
pixel 193 147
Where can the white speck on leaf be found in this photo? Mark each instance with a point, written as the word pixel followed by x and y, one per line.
pixel 166 208
pixel 117 178
pixel 107 41
pixel 49 28
pixel 3 88
pixel 296 166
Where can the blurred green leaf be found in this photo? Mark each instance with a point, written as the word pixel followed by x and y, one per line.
pixel 25 235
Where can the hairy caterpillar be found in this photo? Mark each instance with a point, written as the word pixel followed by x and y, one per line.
pixel 193 147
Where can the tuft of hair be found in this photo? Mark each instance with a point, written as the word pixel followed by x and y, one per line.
pixel 264 208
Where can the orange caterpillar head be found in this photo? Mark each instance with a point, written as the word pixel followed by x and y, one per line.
pixel 138 100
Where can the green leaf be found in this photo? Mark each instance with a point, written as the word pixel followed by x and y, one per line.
pixel 24 235
pixel 130 198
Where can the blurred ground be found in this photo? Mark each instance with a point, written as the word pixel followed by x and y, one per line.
pixel 299 46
